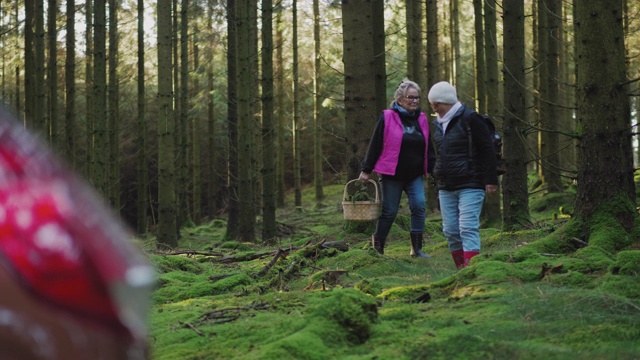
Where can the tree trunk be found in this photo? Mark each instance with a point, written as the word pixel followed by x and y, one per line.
pixel 455 39
pixel 232 126
pixel 359 86
pixel 481 93
pixel 246 220
pixel 89 95
pixel 379 49
pixel 268 128
pixel 492 214
pixel 52 74
pixel 279 79
pixel 40 119
pixel 167 212
pixel 434 70
pixel 212 179
pixel 514 183
pixel 317 119
pixel 297 181
pixel 70 87
pixel 195 130
pixel 184 153
pixel 114 107
pixel 415 62
pixel 549 36
pixel 101 158
pixel 142 176
pixel 605 174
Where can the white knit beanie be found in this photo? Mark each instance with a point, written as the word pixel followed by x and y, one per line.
pixel 443 92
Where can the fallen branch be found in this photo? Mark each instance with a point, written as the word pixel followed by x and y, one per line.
pixel 189 253
pixel 192 327
pixel 269 265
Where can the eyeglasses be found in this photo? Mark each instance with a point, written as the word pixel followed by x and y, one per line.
pixel 434 105
pixel 413 98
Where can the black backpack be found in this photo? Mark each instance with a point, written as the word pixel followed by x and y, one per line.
pixel 501 167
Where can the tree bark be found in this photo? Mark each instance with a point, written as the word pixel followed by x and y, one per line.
pixel 515 194
pixel 605 173
pixel 548 50
pixel 359 85
pixel 232 126
pixel 142 177
pixel 167 212
pixel 268 128
pixel 279 98
pixel 70 87
pixel 114 107
pixel 492 213
pixel 52 74
pixel 101 158
pixel 246 220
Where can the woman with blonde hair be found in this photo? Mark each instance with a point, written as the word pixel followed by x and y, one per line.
pixel 399 153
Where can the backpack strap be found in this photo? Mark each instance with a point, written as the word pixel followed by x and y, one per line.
pixel 466 117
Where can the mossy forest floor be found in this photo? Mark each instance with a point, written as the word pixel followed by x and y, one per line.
pixel 323 293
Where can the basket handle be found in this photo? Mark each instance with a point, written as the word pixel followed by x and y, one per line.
pixel 375 185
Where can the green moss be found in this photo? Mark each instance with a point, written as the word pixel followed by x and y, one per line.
pixel 352 310
pixel 370 287
pixel 627 263
pixel 594 259
pixel 234 245
pixel 406 293
pixel 607 227
pixel 553 202
pixel 625 286
pixel 178 286
pixel 507 304
pixel 465 346
pixel 168 263
pixel 504 256
pixel 571 279
pixel 525 253
pixel 305 344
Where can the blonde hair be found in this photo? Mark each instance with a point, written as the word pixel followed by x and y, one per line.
pixel 401 91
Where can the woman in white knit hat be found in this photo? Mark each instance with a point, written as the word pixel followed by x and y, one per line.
pixel 464 170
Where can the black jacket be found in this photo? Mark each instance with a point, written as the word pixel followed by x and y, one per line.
pixel 459 165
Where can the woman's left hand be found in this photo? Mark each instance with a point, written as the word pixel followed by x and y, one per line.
pixel 491 189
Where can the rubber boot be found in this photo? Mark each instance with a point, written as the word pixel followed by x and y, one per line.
pixel 468 255
pixel 416 246
pixel 458 258
pixel 377 244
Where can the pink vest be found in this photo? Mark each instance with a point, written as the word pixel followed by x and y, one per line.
pixel 393 131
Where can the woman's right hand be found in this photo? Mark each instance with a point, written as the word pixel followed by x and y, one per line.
pixel 364 176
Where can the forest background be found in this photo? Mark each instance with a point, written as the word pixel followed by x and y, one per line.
pixel 177 120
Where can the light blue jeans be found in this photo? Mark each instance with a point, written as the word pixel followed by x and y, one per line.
pixel 460 211
pixel 391 195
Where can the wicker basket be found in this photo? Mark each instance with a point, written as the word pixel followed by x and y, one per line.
pixel 361 210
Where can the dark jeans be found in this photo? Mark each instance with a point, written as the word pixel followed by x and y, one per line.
pixel 391 195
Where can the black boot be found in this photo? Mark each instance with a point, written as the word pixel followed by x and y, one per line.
pixel 416 246
pixel 377 244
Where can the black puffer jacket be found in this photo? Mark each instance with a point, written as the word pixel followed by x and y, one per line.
pixel 458 166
